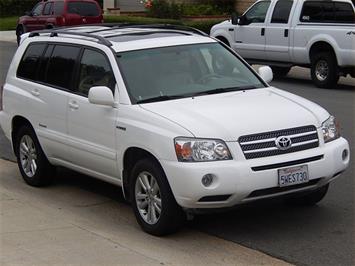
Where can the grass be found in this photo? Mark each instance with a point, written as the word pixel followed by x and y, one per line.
pixel 9 23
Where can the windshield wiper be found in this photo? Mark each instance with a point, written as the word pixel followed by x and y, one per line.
pixel 160 98
pixel 222 90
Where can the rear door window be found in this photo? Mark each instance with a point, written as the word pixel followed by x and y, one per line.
pixel 61 66
pixel 85 9
pixel 282 11
pixel 30 61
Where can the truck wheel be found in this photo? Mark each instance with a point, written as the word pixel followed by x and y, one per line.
pixel 153 202
pixel 32 162
pixel 280 72
pixel 324 70
pixel 308 199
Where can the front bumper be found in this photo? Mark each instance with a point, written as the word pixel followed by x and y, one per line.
pixel 237 178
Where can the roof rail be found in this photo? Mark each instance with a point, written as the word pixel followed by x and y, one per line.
pixel 111 26
pixel 54 33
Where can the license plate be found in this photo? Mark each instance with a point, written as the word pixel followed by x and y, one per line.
pixel 293 176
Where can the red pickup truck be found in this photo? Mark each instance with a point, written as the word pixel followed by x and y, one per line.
pixel 58 13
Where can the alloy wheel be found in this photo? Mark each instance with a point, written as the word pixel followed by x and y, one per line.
pixel 28 156
pixel 148 198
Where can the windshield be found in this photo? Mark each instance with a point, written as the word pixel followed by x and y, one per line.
pixel 183 71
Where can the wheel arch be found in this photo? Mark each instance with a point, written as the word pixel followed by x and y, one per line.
pixel 20 26
pixel 130 157
pixel 16 123
pixel 322 46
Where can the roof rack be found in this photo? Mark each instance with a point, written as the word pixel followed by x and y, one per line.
pixel 113 26
pixel 154 26
pixel 54 33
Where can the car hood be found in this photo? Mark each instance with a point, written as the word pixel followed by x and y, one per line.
pixel 228 116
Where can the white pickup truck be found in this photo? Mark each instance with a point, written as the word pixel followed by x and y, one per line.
pixel 285 33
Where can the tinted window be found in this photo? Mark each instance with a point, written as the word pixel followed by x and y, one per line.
pixel 327 12
pixel 95 70
pixel 44 63
pixel 258 12
pixel 47 9
pixel 282 12
pixel 61 66
pixel 344 12
pixel 30 61
pixel 83 9
pixel 37 10
pixel 58 8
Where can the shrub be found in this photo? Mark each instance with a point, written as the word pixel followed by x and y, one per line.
pixel 15 7
pixel 165 9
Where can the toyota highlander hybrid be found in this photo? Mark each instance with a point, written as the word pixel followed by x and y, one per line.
pixel 176 118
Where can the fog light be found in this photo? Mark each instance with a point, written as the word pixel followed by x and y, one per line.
pixel 345 155
pixel 207 180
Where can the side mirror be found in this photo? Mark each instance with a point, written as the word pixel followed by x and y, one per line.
pixel 29 13
pixel 242 20
pixel 235 19
pixel 101 95
pixel 265 73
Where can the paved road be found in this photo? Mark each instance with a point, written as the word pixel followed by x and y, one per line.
pixel 322 235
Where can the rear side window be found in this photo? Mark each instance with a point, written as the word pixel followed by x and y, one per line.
pixel 47 9
pixel 85 9
pixel 61 66
pixel 282 11
pixel 30 61
pixel 344 13
pixel 58 8
pixel 95 70
pixel 327 12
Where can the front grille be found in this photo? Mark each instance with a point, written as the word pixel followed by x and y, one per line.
pixel 264 145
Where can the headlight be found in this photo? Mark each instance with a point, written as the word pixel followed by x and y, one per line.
pixel 201 150
pixel 331 129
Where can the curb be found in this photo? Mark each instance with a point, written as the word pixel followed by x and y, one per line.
pixel 8 36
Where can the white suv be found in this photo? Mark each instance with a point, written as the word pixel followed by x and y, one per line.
pixel 174 117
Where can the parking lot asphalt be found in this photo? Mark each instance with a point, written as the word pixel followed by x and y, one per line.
pixel 321 235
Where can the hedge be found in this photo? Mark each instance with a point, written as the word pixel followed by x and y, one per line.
pixel 15 7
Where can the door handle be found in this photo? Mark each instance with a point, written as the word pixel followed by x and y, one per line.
pixel 286 33
pixel 262 31
pixel 74 105
pixel 35 92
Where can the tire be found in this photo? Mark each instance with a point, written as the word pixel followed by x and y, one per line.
pixel 280 72
pixel 171 216
pixel 39 173
pixel 19 32
pixel 324 70
pixel 308 199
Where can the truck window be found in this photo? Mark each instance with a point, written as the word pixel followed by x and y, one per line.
pixel 344 12
pixel 282 11
pixel 257 13
pixel 327 12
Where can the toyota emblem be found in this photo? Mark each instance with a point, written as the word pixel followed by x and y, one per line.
pixel 283 143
